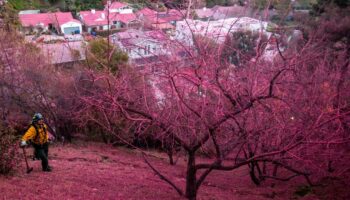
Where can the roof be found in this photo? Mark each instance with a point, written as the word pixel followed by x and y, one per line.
pixel 125 18
pixel 163 26
pixel 146 12
pixel 95 18
pixel 156 34
pixel 63 52
pixel 171 15
pixel 204 12
pixel 151 60
pixel 98 18
pixel 221 12
pixel 131 38
pixel 45 19
pixel 130 33
pixel 63 18
pixel 117 5
pixel 161 17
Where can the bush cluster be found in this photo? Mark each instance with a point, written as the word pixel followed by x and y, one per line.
pixel 8 150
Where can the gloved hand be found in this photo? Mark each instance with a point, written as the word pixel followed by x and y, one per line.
pixel 23 143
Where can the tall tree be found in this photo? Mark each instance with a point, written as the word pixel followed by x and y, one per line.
pixel 276 113
pixel 100 56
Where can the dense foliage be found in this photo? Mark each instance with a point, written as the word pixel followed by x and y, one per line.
pixel 322 5
pixel 104 56
pixel 8 150
pixel 241 46
pixel 211 3
pixel 9 17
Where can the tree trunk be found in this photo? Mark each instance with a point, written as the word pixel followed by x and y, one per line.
pixel 252 174
pixel 275 169
pixel 191 180
pixel 170 155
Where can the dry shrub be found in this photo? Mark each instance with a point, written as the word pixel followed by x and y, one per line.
pixel 8 150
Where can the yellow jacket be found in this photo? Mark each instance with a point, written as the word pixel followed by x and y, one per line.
pixel 42 138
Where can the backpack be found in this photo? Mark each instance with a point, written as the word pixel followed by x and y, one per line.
pixel 36 132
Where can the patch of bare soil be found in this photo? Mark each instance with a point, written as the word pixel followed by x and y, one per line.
pixel 98 171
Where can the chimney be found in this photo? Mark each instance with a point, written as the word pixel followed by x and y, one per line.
pixel 103 15
pixel 205 8
pixel 93 11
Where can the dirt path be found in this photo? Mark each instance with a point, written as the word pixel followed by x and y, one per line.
pixel 101 172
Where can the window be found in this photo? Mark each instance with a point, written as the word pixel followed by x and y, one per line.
pixel 147 49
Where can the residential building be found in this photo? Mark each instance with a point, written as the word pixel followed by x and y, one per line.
pixel 66 53
pixel 216 30
pixel 222 12
pixel 118 7
pixel 115 16
pixel 61 22
pixel 142 46
pixel 160 20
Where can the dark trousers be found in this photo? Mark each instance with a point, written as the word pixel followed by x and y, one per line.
pixel 42 152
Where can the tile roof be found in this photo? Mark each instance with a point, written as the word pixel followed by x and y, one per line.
pixel 116 5
pixel 125 18
pixel 63 52
pixel 151 60
pixel 160 17
pixel 93 18
pixel 46 18
pixel 98 18
pixel 132 37
pixel 35 19
pixel 171 15
pixel 146 12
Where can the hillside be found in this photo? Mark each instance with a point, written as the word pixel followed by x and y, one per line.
pixel 28 4
pixel 100 172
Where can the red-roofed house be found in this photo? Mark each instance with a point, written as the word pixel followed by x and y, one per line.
pixel 63 22
pixel 160 20
pixel 118 7
pixel 102 20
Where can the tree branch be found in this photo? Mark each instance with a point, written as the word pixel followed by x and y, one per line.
pixel 162 176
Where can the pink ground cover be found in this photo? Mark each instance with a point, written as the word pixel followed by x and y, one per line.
pixel 97 171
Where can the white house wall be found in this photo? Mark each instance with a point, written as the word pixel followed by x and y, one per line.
pixel 28 30
pixel 70 25
pixel 138 51
pixel 121 10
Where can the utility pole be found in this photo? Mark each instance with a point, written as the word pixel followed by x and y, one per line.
pixel 108 32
